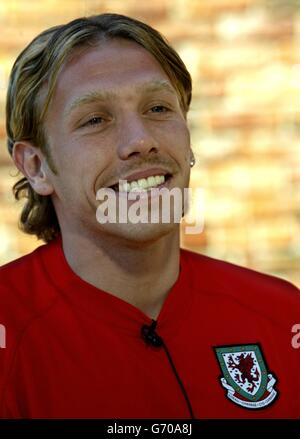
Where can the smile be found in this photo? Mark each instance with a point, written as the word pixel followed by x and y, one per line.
pixel 141 184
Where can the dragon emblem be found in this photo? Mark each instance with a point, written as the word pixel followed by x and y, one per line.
pixel 245 370
pixel 245 376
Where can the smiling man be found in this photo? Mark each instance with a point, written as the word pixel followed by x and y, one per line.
pixel 113 319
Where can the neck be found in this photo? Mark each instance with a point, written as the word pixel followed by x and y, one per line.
pixel 141 275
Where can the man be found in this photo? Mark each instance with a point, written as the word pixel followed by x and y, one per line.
pixel 112 319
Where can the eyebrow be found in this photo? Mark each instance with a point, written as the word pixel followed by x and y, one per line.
pixel 96 96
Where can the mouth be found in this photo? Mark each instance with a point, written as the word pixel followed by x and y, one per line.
pixel 144 184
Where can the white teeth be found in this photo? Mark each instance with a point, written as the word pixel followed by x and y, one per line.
pixel 151 181
pixel 142 184
pixel 159 179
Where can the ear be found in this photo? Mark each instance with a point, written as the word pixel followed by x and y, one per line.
pixel 33 164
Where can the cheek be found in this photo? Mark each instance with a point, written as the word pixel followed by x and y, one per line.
pixel 179 140
pixel 179 130
pixel 81 163
pixel 74 160
pixel 179 126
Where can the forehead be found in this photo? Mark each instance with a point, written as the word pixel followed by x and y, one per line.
pixel 114 65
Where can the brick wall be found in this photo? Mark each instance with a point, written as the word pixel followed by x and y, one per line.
pixel 244 56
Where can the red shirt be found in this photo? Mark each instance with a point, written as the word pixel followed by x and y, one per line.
pixel 74 351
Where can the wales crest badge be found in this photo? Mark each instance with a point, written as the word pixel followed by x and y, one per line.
pixel 245 376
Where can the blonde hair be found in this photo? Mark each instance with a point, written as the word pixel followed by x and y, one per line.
pixel 38 66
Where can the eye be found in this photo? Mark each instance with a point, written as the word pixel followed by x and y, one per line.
pixel 95 120
pixel 159 109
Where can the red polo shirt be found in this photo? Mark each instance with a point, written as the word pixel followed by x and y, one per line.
pixel 74 351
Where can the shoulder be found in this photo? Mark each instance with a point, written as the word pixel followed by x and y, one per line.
pixel 24 290
pixel 258 291
pixel 20 266
pixel 24 296
pixel 222 273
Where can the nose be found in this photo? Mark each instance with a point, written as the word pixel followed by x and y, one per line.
pixel 135 138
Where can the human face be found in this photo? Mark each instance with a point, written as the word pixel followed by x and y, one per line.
pixel 114 115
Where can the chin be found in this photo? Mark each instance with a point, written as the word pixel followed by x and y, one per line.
pixel 139 233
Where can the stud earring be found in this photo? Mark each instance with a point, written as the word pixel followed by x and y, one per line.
pixel 192 161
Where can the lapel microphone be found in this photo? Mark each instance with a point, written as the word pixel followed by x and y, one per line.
pixel 150 336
